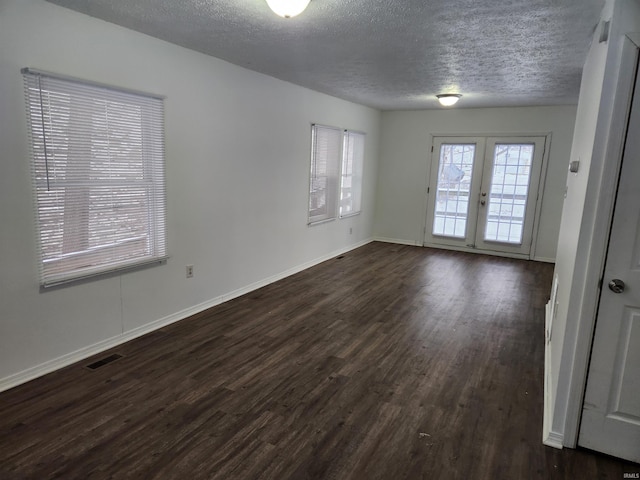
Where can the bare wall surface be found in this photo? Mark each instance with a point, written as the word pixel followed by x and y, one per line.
pixel 237 151
pixel 405 163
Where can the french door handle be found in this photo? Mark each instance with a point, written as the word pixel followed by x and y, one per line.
pixel 484 194
pixel 482 202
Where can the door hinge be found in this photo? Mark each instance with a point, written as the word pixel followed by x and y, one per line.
pixel 431 148
pixel 428 189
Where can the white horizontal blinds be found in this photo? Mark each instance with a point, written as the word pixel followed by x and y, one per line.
pixel 325 166
pixel 351 181
pixel 98 177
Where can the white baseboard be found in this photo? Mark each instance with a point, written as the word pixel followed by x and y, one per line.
pixel 543 259
pixel 554 439
pixel 549 437
pixel 88 351
pixel 399 241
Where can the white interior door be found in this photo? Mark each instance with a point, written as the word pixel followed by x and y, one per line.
pixel 483 193
pixel 611 410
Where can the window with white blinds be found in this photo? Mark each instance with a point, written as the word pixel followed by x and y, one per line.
pixel 98 176
pixel 337 158
pixel 351 181
pixel 326 148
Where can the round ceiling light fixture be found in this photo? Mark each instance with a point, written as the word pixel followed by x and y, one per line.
pixel 288 8
pixel 448 99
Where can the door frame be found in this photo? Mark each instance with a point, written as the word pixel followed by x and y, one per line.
pixel 608 424
pixel 434 156
pixel 594 237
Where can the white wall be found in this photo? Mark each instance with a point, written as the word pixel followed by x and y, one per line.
pixel 405 163
pixel 586 214
pixel 237 151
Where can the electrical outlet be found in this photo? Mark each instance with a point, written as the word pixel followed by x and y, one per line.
pixel 189 271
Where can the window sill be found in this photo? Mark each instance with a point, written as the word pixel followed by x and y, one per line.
pixel 90 274
pixel 320 222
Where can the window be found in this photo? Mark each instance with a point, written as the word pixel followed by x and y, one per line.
pixel 98 176
pixel 326 143
pixel 333 151
pixel 351 182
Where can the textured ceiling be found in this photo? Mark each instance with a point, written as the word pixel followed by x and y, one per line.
pixel 388 54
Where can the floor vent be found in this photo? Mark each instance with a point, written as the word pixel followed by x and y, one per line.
pixel 104 361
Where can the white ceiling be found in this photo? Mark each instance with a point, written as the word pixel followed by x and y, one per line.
pixel 388 54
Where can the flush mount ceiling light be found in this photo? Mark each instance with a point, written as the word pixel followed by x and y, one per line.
pixel 448 99
pixel 288 8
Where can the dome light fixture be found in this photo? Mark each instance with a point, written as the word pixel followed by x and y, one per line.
pixel 288 8
pixel 448 99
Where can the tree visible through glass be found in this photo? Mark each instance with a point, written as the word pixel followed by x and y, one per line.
pixel 455 171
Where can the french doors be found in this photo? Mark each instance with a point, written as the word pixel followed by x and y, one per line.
pixel 483 193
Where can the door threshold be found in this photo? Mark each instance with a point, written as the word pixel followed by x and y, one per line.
pixel 460 248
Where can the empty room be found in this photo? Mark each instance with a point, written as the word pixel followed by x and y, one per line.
pixel 293 239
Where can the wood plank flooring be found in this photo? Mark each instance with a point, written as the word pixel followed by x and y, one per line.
pixel 393 362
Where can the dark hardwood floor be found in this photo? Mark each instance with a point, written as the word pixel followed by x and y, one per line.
pixel 392 363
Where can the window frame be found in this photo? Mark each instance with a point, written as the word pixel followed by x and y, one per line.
pixel 331 175
pixel 335 181
pixel 356 173
pixel 98 162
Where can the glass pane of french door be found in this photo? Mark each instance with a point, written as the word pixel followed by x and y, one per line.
pixel 508 193
pixel 453 190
